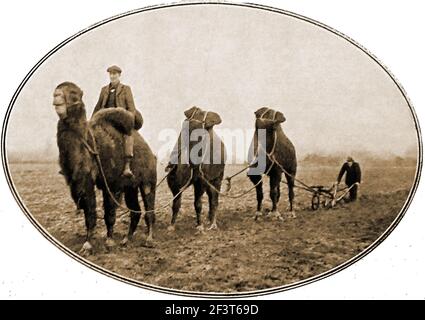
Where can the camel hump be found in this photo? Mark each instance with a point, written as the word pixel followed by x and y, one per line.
pixel 119 118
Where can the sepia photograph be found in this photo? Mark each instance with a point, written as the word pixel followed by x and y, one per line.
pixel 212 149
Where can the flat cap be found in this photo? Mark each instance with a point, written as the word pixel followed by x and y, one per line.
pixel 114 69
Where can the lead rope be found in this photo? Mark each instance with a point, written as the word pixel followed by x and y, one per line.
pixel 225 194
pixel 306 187
pixel 95 152
pixel 228 179
pixel 271 157
pixel 111 195
pixel 273 160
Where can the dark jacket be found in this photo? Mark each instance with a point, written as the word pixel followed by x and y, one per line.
pixel 353 174
pixel 123 99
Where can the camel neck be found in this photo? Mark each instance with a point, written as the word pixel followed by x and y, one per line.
pixel 76 120
pixel 271 135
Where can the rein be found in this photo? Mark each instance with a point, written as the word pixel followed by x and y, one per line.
pixel 203 121
pixel 95 153
pixel 271 157
pixel 264 113
pixel 228 179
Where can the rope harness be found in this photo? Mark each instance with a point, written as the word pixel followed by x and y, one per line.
pixel 228 179
pixel 270 155
pixel 95 153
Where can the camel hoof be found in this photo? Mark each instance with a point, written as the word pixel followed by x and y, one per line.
pixel 149 242
pixel 293 215
pixel 276 214
pixel 213 226
pixel 257 215
pixel 171 228
pixel 110 243
pixel 124 241
pixel 200 229
pixel 86 249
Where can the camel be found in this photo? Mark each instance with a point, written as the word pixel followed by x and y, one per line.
pixel 281 159
pixel 205 173
pixel 78 141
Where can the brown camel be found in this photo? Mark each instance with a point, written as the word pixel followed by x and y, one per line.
pixel 281 159
pixel 79 139
pixel 204 169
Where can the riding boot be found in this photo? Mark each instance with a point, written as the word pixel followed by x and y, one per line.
pixel 128 152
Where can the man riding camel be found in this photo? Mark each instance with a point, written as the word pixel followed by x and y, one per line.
pixel 118 95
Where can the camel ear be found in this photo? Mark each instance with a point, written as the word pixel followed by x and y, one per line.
pixel 190 112
pixel 279 117
pixel 212 119
pixel 260 112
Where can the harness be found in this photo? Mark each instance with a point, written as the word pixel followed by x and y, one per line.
pixel 264 113
pixel 203 121
pixel 270 155
pixel 94 151
pixel 228 179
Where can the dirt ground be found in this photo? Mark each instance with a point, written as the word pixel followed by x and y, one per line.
pixel 243 255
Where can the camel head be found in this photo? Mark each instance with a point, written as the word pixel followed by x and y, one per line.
pixel 67 100
pixel 195 128
pixel 267 118
pixel 196 118
pixel 198 123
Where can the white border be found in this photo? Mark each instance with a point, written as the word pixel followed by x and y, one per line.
pixel 22 261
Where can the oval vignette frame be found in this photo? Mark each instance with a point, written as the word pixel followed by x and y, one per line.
pixel 212 294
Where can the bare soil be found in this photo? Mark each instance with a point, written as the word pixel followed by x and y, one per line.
pixel 243 254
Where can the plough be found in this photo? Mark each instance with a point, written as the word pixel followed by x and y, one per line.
pixel 328 197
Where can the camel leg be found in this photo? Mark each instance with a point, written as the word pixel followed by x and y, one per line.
pixel 275 178
pixel 132 202
pixel 148 195
pixel 76 197
pixel 259 189
pixel 87 201
pixel 177 202
pixel 278 192
pixel 213 205
pixel 109 208
pixel 291 182
pixel 199 191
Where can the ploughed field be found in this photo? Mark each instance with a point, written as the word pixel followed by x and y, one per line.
pixel 243 254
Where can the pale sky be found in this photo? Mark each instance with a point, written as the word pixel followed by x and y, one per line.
pixel 231 60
